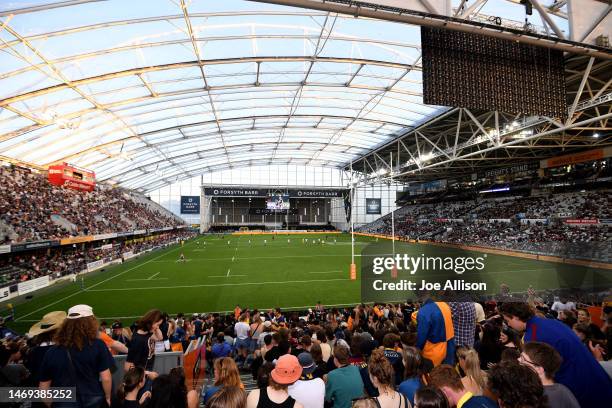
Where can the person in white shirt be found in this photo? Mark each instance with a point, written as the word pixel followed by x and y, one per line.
pixel 242 330
pixel 308 391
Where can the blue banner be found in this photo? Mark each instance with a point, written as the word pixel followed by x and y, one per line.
pixel 190 204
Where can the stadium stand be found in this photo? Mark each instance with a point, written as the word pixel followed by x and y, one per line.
pixel 62 261
pixel 31 209
pixel 535 223
pixel 378 342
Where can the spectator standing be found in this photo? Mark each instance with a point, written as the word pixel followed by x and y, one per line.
pixel 243 343
pixel 344 383
pixel 42 334
pixel 79 359
pixel 464 323
pixel 545 361
pixel 141 352
pixel 435 332
pixel 579 371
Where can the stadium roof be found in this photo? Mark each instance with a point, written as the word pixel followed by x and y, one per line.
pixel 146 93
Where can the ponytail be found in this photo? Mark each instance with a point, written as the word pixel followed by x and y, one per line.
pixel 131 380
pixel 472 366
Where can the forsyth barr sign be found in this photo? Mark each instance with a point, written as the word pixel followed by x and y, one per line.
pixel 265 192
pixel 190 204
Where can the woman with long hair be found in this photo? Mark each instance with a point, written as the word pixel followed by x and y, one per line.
pixel 228 397
pixel 510 338
pixel 413 373
pixel 475 379
pixel 169 391
pixel 79 359
pixel 226 375
pixel 490 346
pixel 383 377
pixel 141 352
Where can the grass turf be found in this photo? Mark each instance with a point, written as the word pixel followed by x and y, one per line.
pixel 221 272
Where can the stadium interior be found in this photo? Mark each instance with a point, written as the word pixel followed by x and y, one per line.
pixel 306 203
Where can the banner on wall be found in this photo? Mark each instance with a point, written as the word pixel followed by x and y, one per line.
pixel 33 284
pixel 265 192
pixel 373 206
pixel 190 204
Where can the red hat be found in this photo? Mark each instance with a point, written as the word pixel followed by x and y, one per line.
pixel 287 371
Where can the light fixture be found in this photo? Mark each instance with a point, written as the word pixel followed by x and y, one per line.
pixel 595 135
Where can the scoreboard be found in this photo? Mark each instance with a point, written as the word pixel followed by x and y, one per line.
pixel 71 176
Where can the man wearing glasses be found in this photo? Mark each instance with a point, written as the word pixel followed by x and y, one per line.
pixel 545 361
pixel 579 371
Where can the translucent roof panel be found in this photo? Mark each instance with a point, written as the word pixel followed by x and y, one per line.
pixel 146 92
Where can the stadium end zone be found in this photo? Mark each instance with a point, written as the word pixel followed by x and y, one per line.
pixel 292 232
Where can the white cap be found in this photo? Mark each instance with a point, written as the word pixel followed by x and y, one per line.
pixel 267 323
pixel 78 311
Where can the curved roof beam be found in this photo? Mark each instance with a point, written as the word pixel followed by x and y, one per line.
pixel 93 54
pixel 213 154
pixel 128 138
pixel 201 63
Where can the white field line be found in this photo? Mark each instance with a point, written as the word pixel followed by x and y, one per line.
pixel 97 284
pixel 281 257
pixel 152 276
pixel 220 284
pixel 326 272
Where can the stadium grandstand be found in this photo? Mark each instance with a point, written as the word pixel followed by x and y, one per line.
pixel 306 203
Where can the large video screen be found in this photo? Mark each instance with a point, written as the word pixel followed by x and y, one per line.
pixel 277 202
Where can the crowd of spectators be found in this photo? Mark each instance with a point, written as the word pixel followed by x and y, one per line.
pixel 32 209
pixel 68 259
pixel 497 223
pixel 506 353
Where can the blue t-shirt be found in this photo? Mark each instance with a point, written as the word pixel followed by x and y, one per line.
pixel 210 391
pixel 88 364
pixel 221 350
pixel 579 372
pixel 409 387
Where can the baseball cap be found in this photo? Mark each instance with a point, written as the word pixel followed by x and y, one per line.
pixel 78 311
pixel 267 323
pixel 307 363
pixel 117 325
pixel 287 371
